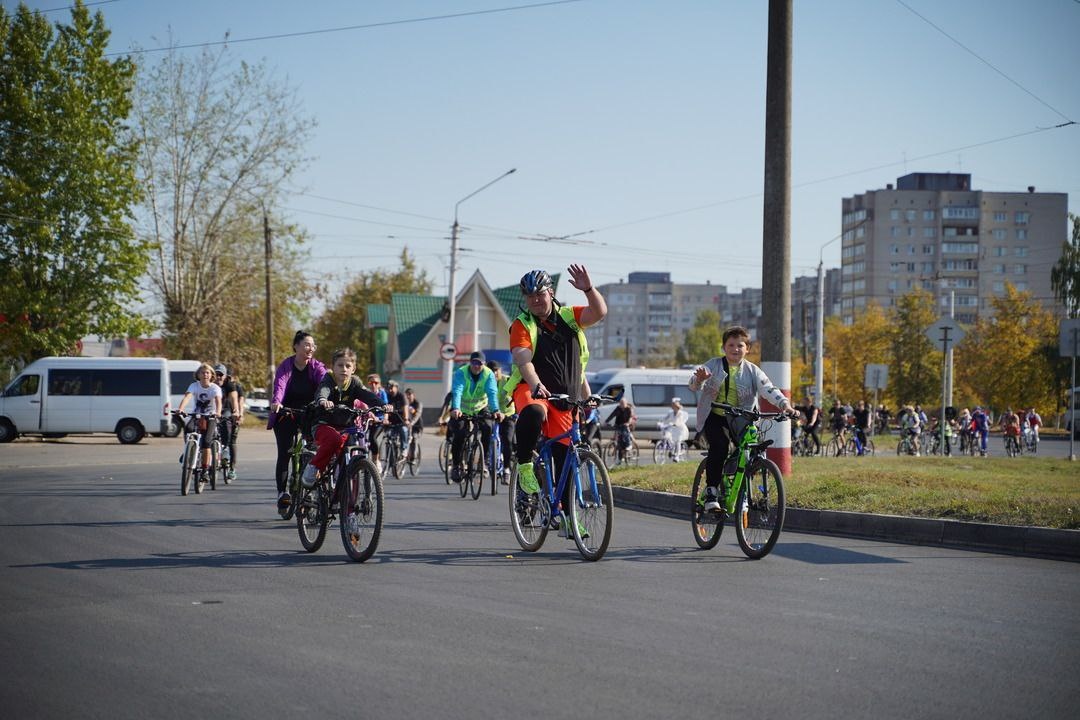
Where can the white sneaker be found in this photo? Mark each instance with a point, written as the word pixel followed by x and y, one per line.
pixel 311 473
pixel 378 465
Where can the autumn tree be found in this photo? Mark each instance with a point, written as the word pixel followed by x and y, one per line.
pixel 1065 275
pixel 69 261
pixel 852 347
pixel 1000 358
pixel 914 364
pixel 218 141
pixel 343 323
pixel 702 341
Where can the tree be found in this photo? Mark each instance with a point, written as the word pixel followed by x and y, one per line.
pixel 703 341
pixel 217 144
pixel 852 347
pixel 69 261
pixel 1001 360
pixel 914 365
pixel 344 322
pixel 1065 275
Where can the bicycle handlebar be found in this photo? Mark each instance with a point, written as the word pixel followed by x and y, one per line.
pixel 752 414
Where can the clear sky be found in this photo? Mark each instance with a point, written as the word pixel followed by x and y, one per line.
pixel 636 126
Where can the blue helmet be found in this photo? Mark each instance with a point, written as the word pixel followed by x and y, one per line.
pixel 535 281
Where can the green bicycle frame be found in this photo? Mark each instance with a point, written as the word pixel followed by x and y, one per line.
pixel 749 437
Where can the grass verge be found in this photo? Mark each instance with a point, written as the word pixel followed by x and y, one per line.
pixel 1043 492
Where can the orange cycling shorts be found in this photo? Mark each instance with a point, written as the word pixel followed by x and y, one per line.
pixel 557 421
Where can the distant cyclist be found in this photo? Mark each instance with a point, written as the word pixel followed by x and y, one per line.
pixel 673 427
pixel 980 423
pixel 1034 422
pixel 295 382
pixel 473 390
pixel 206 396
pixel 623 418
pixel 232 406
pixel 509 421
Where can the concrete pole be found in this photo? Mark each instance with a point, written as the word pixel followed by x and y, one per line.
pixel 451 292
pixel 949 355
pixel 819 339
pixel 775 333
pixel 269 312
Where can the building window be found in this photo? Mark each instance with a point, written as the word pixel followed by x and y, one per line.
pixel 860 231
pixel 894 249
pixel 1021 285
pixel 1022 217
pixel 894 214
pixel 1001 217
pixel 929 232
pixel 927 249
pixel 894 231
pixel 1019 269
pixel 1021 233
pixel 999 233
pixel 999 287
pixel 959 247
pixel 928 214
pixel 896 267
pixel 910 249
pixel 1021 251
pixel 911 232
pixel 1000 251
pixel 910 268
pixel 909 215
pixel 960 213
pixel 928 267
pixel 949 232
pixel 999 269
pixel 892 286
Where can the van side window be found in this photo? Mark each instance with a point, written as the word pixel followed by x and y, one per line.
pixel 616 391
pixel 26 385
pixel 126 382
pixel 69 382
pixel 180 381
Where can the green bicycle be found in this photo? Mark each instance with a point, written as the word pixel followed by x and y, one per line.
pixel 752 489
pixel 299 456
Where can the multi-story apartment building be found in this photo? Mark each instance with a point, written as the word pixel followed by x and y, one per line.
pixel 934 231
pixel 648 316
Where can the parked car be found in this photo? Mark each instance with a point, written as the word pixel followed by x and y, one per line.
pixel 257 402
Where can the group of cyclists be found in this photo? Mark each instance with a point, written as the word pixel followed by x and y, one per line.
pixel 969 428
pixel 214 395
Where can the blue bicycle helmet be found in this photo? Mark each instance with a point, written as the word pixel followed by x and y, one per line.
pixel 535 281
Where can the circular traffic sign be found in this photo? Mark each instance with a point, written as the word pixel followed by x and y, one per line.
pixel 448 351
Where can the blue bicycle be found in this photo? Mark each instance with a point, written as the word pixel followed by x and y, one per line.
pixel 583 481
pixel 496 466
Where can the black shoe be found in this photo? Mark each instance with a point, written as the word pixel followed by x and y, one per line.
pixel 284 501
pixel 455 474
pixel 712 500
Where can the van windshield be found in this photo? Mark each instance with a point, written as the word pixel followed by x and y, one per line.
pixel 23 385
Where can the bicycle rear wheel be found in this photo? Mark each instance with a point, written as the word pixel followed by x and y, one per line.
pixel 312 516
pixel 444 460
pixel 759 511
pixel 529 515
pixel 215 463
pixel 835 448
pixel 397 459
pixel 414 455
pixel 707 525
pixel 591 517
pixel 494 455
pixel 188 469
pixel 474 467
pixel 868 449
pixel 361 503
pixel 659 452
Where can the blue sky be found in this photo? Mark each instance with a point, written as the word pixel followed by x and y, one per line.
pixel 636 126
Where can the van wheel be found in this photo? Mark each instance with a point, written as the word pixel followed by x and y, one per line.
pixel 129 432
pixel 7 431
pixel 172 429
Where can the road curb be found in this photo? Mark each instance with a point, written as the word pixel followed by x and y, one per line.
pixel 1014 539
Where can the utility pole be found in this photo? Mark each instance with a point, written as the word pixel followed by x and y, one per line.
pixel 269 313
pixel 776 242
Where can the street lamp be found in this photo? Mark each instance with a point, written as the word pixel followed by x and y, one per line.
pixel 819 335
pixel 448 369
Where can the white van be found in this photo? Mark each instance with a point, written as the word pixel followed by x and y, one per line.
pixel 650 392
pixel 62 395
pixel 181 375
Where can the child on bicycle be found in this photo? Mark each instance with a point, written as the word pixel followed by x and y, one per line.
pixel 207 410
pixel 338 387
pixel 673 427
pixel 734 380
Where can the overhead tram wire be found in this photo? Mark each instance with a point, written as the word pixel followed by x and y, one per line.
pixel 345 28
pixel 70 7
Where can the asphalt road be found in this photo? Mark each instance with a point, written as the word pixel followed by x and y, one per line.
pixel 121 599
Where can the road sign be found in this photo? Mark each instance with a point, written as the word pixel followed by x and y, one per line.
pixel 945 329
pixel 448 351
pixel 877 377
pixel 1068 346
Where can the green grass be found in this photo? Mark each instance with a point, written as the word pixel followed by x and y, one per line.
pixel 1043 492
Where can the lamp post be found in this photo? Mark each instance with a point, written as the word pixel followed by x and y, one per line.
pixel 819 334
pixel 451 293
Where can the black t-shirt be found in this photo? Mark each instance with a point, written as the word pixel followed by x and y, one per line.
pixel 811 412
pixel 839 415
pixel 329 390
pixel 417 413
pixel 398 401
pixel 557 357
pixel 299 391
pixel 230 386
pixel 621 415
pixel 862 418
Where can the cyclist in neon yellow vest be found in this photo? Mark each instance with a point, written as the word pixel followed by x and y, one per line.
pixel 547 342
pixel 509 421
pixel 472 391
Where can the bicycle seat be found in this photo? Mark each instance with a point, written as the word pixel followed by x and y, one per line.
pixel 758 446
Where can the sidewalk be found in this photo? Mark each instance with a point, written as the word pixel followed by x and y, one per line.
pixel 1018 540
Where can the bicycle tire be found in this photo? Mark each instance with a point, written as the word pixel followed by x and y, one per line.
pixel 706 526
pixel 397 458
pixel 312 517
pixel 413 458
pixel 215 463
pixel 760 509
pixel 659 452
pixel 869 448
pixel 851 448
pixel 595 513
pixel 834 448
pixel 633 454
pixel 529 515
pixel 444 460
pixel 188 468
pixel 474 467
pixel 494 455
pixel 361 501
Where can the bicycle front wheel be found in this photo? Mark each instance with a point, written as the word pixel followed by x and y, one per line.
pixel 215 463
pixel 835 448
pixel 397 460
pixel 707 525
pixel 361 509
pixel 188 469
pixel 529 515
pixel 592 515
pixel 414 456
pixel 474 467
pixel 312 517
pixel 444 460
pixel 660 453
pixel 759 511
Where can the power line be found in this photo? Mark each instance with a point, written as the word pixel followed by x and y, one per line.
pixel 366 26
pixel 984 61
pixel 71 7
